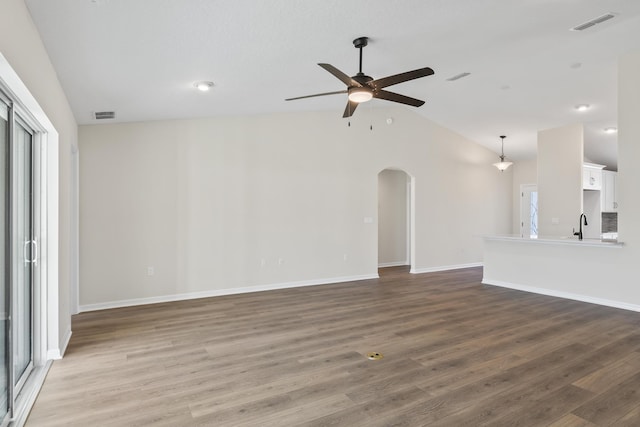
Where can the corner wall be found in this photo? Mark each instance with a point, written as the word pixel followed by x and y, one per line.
pixel 21 45
pixel 560 154
pixel 235 203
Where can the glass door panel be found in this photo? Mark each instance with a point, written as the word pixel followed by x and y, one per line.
pixel 4 270
pixel 24 254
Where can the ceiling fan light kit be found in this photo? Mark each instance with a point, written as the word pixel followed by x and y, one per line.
pixel 360 94
pixel 362 88
pixel 502 165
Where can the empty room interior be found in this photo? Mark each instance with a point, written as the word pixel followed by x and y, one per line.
pixel 286 213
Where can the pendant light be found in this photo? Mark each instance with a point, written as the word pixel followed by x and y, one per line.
pixel 502 165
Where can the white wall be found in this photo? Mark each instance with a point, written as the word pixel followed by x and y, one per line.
pixel 21 45
pixel 524 172
pixel 629 151
pixel 206 201
pixel 392 218
pixel 560 154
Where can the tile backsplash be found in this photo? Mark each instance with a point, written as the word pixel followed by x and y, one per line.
pixel 609 222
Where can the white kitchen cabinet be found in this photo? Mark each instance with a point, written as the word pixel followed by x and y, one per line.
pixel 592 176
pixel 608 199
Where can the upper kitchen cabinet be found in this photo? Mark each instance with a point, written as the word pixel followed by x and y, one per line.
pixel 592 176
pixel 608 200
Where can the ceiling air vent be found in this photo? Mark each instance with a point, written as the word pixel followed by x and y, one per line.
pixel 595 21
pixel 102 115
pixel 458 76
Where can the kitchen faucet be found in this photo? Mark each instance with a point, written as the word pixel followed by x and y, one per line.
pixel 579 233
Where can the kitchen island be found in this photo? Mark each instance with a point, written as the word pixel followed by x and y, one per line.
pixel 565 267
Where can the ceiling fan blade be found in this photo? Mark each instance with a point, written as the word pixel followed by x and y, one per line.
pixel 396 97
pixel 399 78
pixel 317 94
pixel 350 108
pixel 340 75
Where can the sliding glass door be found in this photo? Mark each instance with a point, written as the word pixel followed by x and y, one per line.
pixel 24 252
pixel 18 256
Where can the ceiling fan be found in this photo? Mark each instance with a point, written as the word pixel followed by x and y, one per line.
pixel 362 88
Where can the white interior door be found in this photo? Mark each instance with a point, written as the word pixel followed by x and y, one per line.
pixel 529 210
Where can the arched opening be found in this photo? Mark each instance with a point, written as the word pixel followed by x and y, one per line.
pixel 395 218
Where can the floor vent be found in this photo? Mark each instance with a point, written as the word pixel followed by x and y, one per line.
pixel 595 21
pixel 102 115
pixel 374 355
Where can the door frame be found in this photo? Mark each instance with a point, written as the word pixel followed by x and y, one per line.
pixel 410 194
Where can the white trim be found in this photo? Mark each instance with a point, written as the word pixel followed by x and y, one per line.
pixel 55 354
pixel 393 264
pixel 29 395
pixel 565 295
pixel 221 292
pixel 74 264
pixel 445 268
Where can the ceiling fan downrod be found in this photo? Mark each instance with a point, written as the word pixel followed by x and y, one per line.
pixel 359 43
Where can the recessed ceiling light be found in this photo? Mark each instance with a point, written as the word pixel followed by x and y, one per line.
pixel 203 86
pixel 582 107
pixel 611 129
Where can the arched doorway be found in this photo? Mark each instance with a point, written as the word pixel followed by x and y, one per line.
pixel 395 218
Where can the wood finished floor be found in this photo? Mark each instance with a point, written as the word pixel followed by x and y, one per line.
pixel 456 353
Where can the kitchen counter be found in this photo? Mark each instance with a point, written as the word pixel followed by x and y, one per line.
pixel 558 240
pixel 584 270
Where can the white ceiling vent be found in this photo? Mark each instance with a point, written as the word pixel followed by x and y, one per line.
pixel 102 115
pixel 458 76
pixel 595 21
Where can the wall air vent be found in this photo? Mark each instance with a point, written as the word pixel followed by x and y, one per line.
pixel 458 76
pixel 595 21
pixel 102 115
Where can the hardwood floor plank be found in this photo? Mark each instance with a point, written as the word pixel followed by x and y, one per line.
pixel 571 420
pixel 610 375
pixel 607 407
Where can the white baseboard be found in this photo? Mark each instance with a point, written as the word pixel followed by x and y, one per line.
pixel 221 292
pixel 560 294
pixel 445 268
pixel 393 264
pixel 57 353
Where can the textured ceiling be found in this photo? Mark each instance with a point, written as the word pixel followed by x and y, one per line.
pixel 528 71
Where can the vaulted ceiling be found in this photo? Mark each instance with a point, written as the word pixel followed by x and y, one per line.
pixel 528 70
